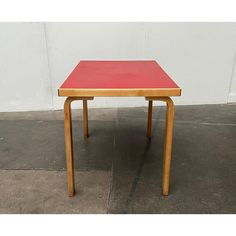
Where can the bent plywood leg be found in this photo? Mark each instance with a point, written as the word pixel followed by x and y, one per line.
pixel 69 141
pixel 168 147
pixel 85 118
pixel 168 142
pixel 69 147
pixel 149 120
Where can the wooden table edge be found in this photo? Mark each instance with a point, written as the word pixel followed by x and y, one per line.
pixel 121 92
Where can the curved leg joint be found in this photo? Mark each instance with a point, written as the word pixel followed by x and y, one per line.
pixel 69 143
pixel 69 146
pixel 168 142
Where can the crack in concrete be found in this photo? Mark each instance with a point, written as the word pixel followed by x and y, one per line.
pixel 139 170
pixel 200 123
pixel 137 176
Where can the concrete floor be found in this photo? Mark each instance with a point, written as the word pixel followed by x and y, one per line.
pixel 118 170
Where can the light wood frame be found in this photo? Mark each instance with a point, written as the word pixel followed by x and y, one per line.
pixel 168 139
pixel 69 141
pixel 167 146
pixel 149 120
pixel 122 92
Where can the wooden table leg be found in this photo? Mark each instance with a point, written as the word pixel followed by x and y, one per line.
pixel 149 120
pixel 168 146
pixel 69 141
pixel 168 141
pixel 69 147
pixel 85 118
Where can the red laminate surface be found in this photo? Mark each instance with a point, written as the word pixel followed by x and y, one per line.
pixel 118 74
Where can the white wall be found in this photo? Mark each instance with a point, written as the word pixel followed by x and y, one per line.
pixel 198 56
pixel 232 91
pixel 24 75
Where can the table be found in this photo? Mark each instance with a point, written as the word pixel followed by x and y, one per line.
pixel 119 79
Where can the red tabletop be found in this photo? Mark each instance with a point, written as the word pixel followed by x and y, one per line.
pixel 118 74
pixel 118 78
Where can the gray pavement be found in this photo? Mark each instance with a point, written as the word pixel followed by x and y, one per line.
pixel 118 170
